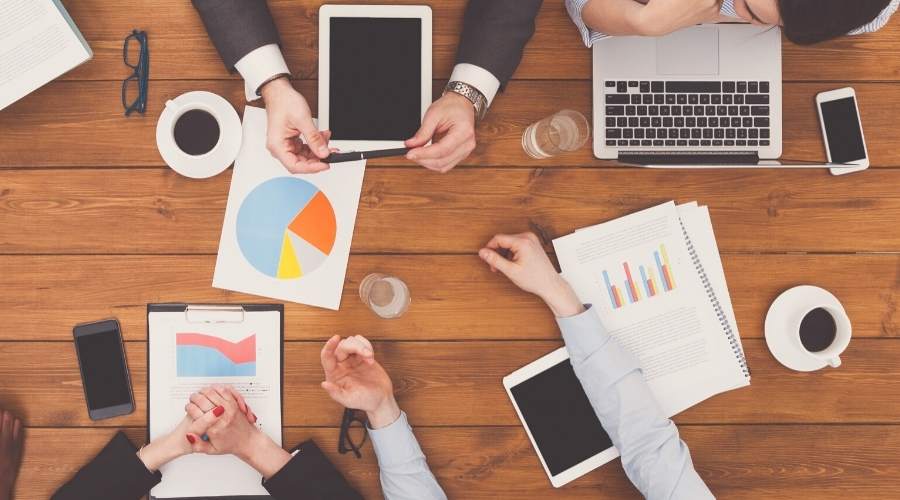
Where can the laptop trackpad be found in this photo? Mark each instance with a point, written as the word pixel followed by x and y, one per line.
pixel 691 51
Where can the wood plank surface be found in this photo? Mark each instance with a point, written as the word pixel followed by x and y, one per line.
pixel 39 303
pixel 737 462
pixel 438 383
pixel 156 211
pixel 555 51
pixel 41 131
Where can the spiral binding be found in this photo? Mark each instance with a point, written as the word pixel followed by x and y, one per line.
pixel 720 313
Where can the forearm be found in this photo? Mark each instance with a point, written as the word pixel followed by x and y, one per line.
pixel 495 33
pixel 404 471
pixel 615 17
pixel 653 455
pixel 265 456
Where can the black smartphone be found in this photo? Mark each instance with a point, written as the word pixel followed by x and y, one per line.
pixel 104 371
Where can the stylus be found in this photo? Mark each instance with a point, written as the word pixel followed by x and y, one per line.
pixel 364 155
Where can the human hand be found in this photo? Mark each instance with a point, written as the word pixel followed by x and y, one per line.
pixel 529 268
pixel 233 431
pixel 450 124
pixel 354 379
pixel 661 17
pixel 288 117
pixel 199 404
pixel 176 443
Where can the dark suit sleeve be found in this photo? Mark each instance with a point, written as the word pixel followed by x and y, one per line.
pixel 116 472
pixel 495 33
pixel 309 476
pixel 237 27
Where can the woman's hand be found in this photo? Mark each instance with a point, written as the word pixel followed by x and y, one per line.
pixel 289 117
pixel 174 444
pixel 354 379
pixel 528 267
pixel 231 430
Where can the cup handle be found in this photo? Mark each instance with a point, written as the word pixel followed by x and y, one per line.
pixel 834 362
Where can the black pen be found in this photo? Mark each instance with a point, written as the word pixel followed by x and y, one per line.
pixel 364 155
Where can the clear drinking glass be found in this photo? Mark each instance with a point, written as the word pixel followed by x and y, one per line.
pixel 560 132
pixel 387 296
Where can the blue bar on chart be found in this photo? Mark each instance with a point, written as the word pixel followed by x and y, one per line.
pixel 653 282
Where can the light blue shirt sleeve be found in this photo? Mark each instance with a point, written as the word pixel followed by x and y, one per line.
pixel 404 472
pixel 654 457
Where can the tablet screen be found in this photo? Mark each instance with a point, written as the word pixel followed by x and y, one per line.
pixel 560 418
pixel 375 85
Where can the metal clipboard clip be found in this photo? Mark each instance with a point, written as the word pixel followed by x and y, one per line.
pixel 214 314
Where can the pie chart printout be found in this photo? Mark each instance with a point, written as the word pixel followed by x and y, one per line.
pixel 286 228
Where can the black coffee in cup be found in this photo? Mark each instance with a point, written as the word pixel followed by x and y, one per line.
pixel 817 330
pixel 196 132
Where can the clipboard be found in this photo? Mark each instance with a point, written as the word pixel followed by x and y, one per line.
pixel 212 314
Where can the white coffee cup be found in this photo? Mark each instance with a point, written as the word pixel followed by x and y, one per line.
pixel 216 159
pixel 842 333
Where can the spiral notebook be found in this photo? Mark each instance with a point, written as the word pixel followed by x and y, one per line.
pixel 657 281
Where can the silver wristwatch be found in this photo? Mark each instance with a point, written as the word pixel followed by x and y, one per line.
pixel 472 94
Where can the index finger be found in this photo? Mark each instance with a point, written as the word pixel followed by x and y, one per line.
pixel 329 359
pixel 352 346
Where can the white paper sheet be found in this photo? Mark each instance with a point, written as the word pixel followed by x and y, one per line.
pixel 180 365
pixel 675 334
pixel 252 246
pixel 37 44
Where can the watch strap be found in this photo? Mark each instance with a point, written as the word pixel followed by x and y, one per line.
pixel 472 94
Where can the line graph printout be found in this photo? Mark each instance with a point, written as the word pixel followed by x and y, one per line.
pixel 186 356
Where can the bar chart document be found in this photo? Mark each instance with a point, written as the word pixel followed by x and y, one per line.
pixel 656 280
pixel 240 348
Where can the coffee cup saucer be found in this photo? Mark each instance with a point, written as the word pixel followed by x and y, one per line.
pixel 222 154
pixel 782 317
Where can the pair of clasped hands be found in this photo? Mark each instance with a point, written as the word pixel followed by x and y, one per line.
pixel 352 378
pixel 450 122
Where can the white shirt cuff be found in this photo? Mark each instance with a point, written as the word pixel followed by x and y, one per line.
pixel 478 77
pixel 259 66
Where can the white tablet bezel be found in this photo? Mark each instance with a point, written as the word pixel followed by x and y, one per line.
pixel 326 12
pixel 528 371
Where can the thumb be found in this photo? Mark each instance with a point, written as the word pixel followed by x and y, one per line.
pixel 425 132
pixel 314 139
pixel 198 445
pixel 495 260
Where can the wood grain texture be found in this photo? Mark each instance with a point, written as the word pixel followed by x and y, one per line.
pixel 39 303
pixel 438 383
pixel 181 49
pixel 741 462
pixel 156 211
pixel 81 124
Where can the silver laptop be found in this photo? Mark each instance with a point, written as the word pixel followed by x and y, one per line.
pixel 709 95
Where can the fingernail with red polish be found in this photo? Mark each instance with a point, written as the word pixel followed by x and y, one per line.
pixel 190 438
pixel 218 411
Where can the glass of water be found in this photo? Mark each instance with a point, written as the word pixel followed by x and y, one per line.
pixel 387 296
pixel 560 132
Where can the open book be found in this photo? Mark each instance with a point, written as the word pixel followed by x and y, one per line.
pixel 658 284
pixel 38 42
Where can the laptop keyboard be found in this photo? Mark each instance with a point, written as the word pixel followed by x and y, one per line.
pixel 687 114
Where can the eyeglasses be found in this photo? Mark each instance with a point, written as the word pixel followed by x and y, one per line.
pixel 134 88
pixel 353 433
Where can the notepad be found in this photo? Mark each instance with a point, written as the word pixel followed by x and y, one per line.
pixel 38 42
pixel 657 281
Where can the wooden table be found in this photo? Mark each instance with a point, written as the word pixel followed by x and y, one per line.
pixel 93 224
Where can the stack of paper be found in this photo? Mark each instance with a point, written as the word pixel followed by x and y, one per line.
pixel 38 42
pixel 658 283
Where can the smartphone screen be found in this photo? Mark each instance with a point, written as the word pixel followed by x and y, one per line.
pixel 843 130
pixel 103 369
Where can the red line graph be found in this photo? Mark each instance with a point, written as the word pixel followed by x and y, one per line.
pixel 240 352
